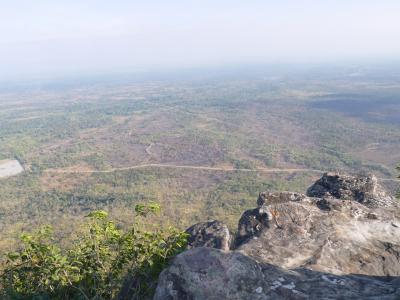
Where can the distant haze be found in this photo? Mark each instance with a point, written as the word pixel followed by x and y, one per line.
pixel 70 36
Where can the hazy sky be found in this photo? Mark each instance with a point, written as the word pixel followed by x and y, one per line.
pixel 41 37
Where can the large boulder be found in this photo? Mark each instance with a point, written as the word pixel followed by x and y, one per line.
pixel 346 224
pixel 328 235
pixel 212 234
pixel 363 189
pixel 205 273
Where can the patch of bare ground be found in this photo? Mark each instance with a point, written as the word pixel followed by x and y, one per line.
pixel 177 150
pixel 10 168
pixel 64 180
pixel 120 119
pixel 388 154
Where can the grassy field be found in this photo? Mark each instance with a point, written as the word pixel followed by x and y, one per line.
pixel 110 146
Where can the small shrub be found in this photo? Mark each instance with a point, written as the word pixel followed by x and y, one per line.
pixel 96 264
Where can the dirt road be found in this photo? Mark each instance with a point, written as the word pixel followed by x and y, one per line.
pixel 206 168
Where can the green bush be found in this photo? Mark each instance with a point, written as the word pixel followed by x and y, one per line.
pixel 97 263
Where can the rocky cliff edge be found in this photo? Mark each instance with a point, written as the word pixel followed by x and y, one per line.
pixel 341 240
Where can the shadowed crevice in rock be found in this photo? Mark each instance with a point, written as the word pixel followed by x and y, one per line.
pixel 250 225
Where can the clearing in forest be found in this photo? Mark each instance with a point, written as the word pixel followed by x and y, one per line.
pixel 10 168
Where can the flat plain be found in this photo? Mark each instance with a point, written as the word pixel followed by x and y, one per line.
pixel 203 147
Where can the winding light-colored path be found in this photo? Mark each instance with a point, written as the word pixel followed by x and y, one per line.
pixel 206 168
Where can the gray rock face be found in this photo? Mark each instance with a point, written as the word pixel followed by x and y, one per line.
pixel 363 189
pixel 296 246
pixel 205 273
pixel 329 235
pixel 212 234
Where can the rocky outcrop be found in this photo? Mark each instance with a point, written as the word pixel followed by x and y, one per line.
pixel 212 234
pixel 296 246
pixel 328 235
pixel 363 189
